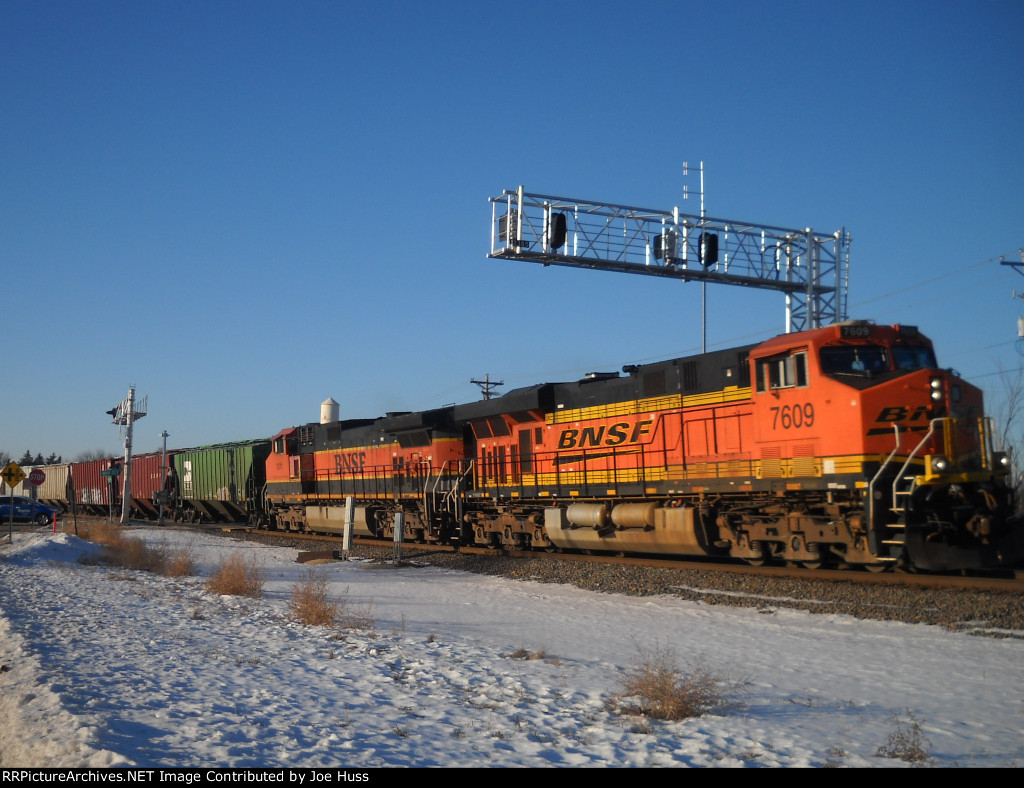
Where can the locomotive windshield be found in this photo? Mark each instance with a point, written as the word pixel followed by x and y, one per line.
pixel 869 360
pixel 854 360
pixel 913 357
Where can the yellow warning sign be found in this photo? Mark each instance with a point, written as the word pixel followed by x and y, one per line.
pixel 12 474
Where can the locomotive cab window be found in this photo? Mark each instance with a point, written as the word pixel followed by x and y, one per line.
pixel 284 445
pixel 913 357
pixel 854 360
pixel 782 372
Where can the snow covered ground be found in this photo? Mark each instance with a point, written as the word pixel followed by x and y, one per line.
pixel 109 667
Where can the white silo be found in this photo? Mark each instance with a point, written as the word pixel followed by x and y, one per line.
pixel 329 411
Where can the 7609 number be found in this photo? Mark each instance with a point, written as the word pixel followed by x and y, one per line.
pixel 793 416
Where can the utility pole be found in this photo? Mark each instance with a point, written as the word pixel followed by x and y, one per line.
pixel 487 385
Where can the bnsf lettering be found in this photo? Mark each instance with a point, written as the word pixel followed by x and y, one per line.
pixel 896 413
pixel 349 463
pixel 614 435
pixel 617 434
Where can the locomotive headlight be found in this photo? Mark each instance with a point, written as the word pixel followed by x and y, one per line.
pixel 937 464
pixel 936 386
pixel 1000 461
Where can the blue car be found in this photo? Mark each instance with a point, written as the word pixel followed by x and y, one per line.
pixel 27 510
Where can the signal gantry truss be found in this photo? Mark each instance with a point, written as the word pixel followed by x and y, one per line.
pixel 811 269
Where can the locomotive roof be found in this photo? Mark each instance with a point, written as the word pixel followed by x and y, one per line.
pixel 846 330
pixel 536 397
pixel 690 374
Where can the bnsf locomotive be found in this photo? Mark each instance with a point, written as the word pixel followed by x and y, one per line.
pixel 844 444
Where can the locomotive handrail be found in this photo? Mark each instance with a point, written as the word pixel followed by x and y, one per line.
pixel 913 453
pixel 989 442
pixel 456 485
pixel 878 474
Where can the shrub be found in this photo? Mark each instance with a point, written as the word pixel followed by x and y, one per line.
pixel 180 563
pixel 103 532
pixel 133 553
pixel 907 742
pixel 236 578
pixel 310 603
pixel 123 550
pixel 354 619
pixel 658 688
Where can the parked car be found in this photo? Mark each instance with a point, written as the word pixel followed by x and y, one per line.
pixel 27 510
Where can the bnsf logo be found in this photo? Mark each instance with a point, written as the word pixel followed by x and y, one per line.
pixel 614 435
pixel 902 413
pixel 349 463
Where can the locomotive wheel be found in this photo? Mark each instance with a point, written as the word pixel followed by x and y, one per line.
pixel 824 559
pixel 876 568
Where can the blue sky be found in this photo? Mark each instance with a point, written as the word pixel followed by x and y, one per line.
pixel 243 208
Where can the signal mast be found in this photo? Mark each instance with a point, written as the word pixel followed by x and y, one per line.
pixel 811 269
pixel 125 414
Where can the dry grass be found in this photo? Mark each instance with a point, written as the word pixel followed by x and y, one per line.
pixel 133 553
pixel 102 532
pixel 658 688
pixel 310 602
pixel 349 618
pixel 907 742
pixel 123 550
pixel 180 563
pixel 129 552
pixel 235 577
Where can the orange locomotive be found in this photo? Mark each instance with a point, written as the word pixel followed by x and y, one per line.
pixel 844 444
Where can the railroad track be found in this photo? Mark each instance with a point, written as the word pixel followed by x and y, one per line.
pixel 979 605
pixel 1011 581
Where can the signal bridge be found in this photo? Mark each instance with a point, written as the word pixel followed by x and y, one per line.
pixel 810 268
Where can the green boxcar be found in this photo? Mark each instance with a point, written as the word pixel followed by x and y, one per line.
pixel 222 483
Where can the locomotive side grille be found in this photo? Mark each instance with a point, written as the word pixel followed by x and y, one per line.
pixel 771 463
pixel 805 463
pixel 689 375
pixel 806 466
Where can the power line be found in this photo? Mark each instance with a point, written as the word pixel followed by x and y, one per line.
pixel 933 279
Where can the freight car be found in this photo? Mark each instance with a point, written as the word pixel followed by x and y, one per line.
pixel 845 444
pixel 219 483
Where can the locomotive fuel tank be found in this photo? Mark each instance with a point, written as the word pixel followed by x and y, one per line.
pixel 663 531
